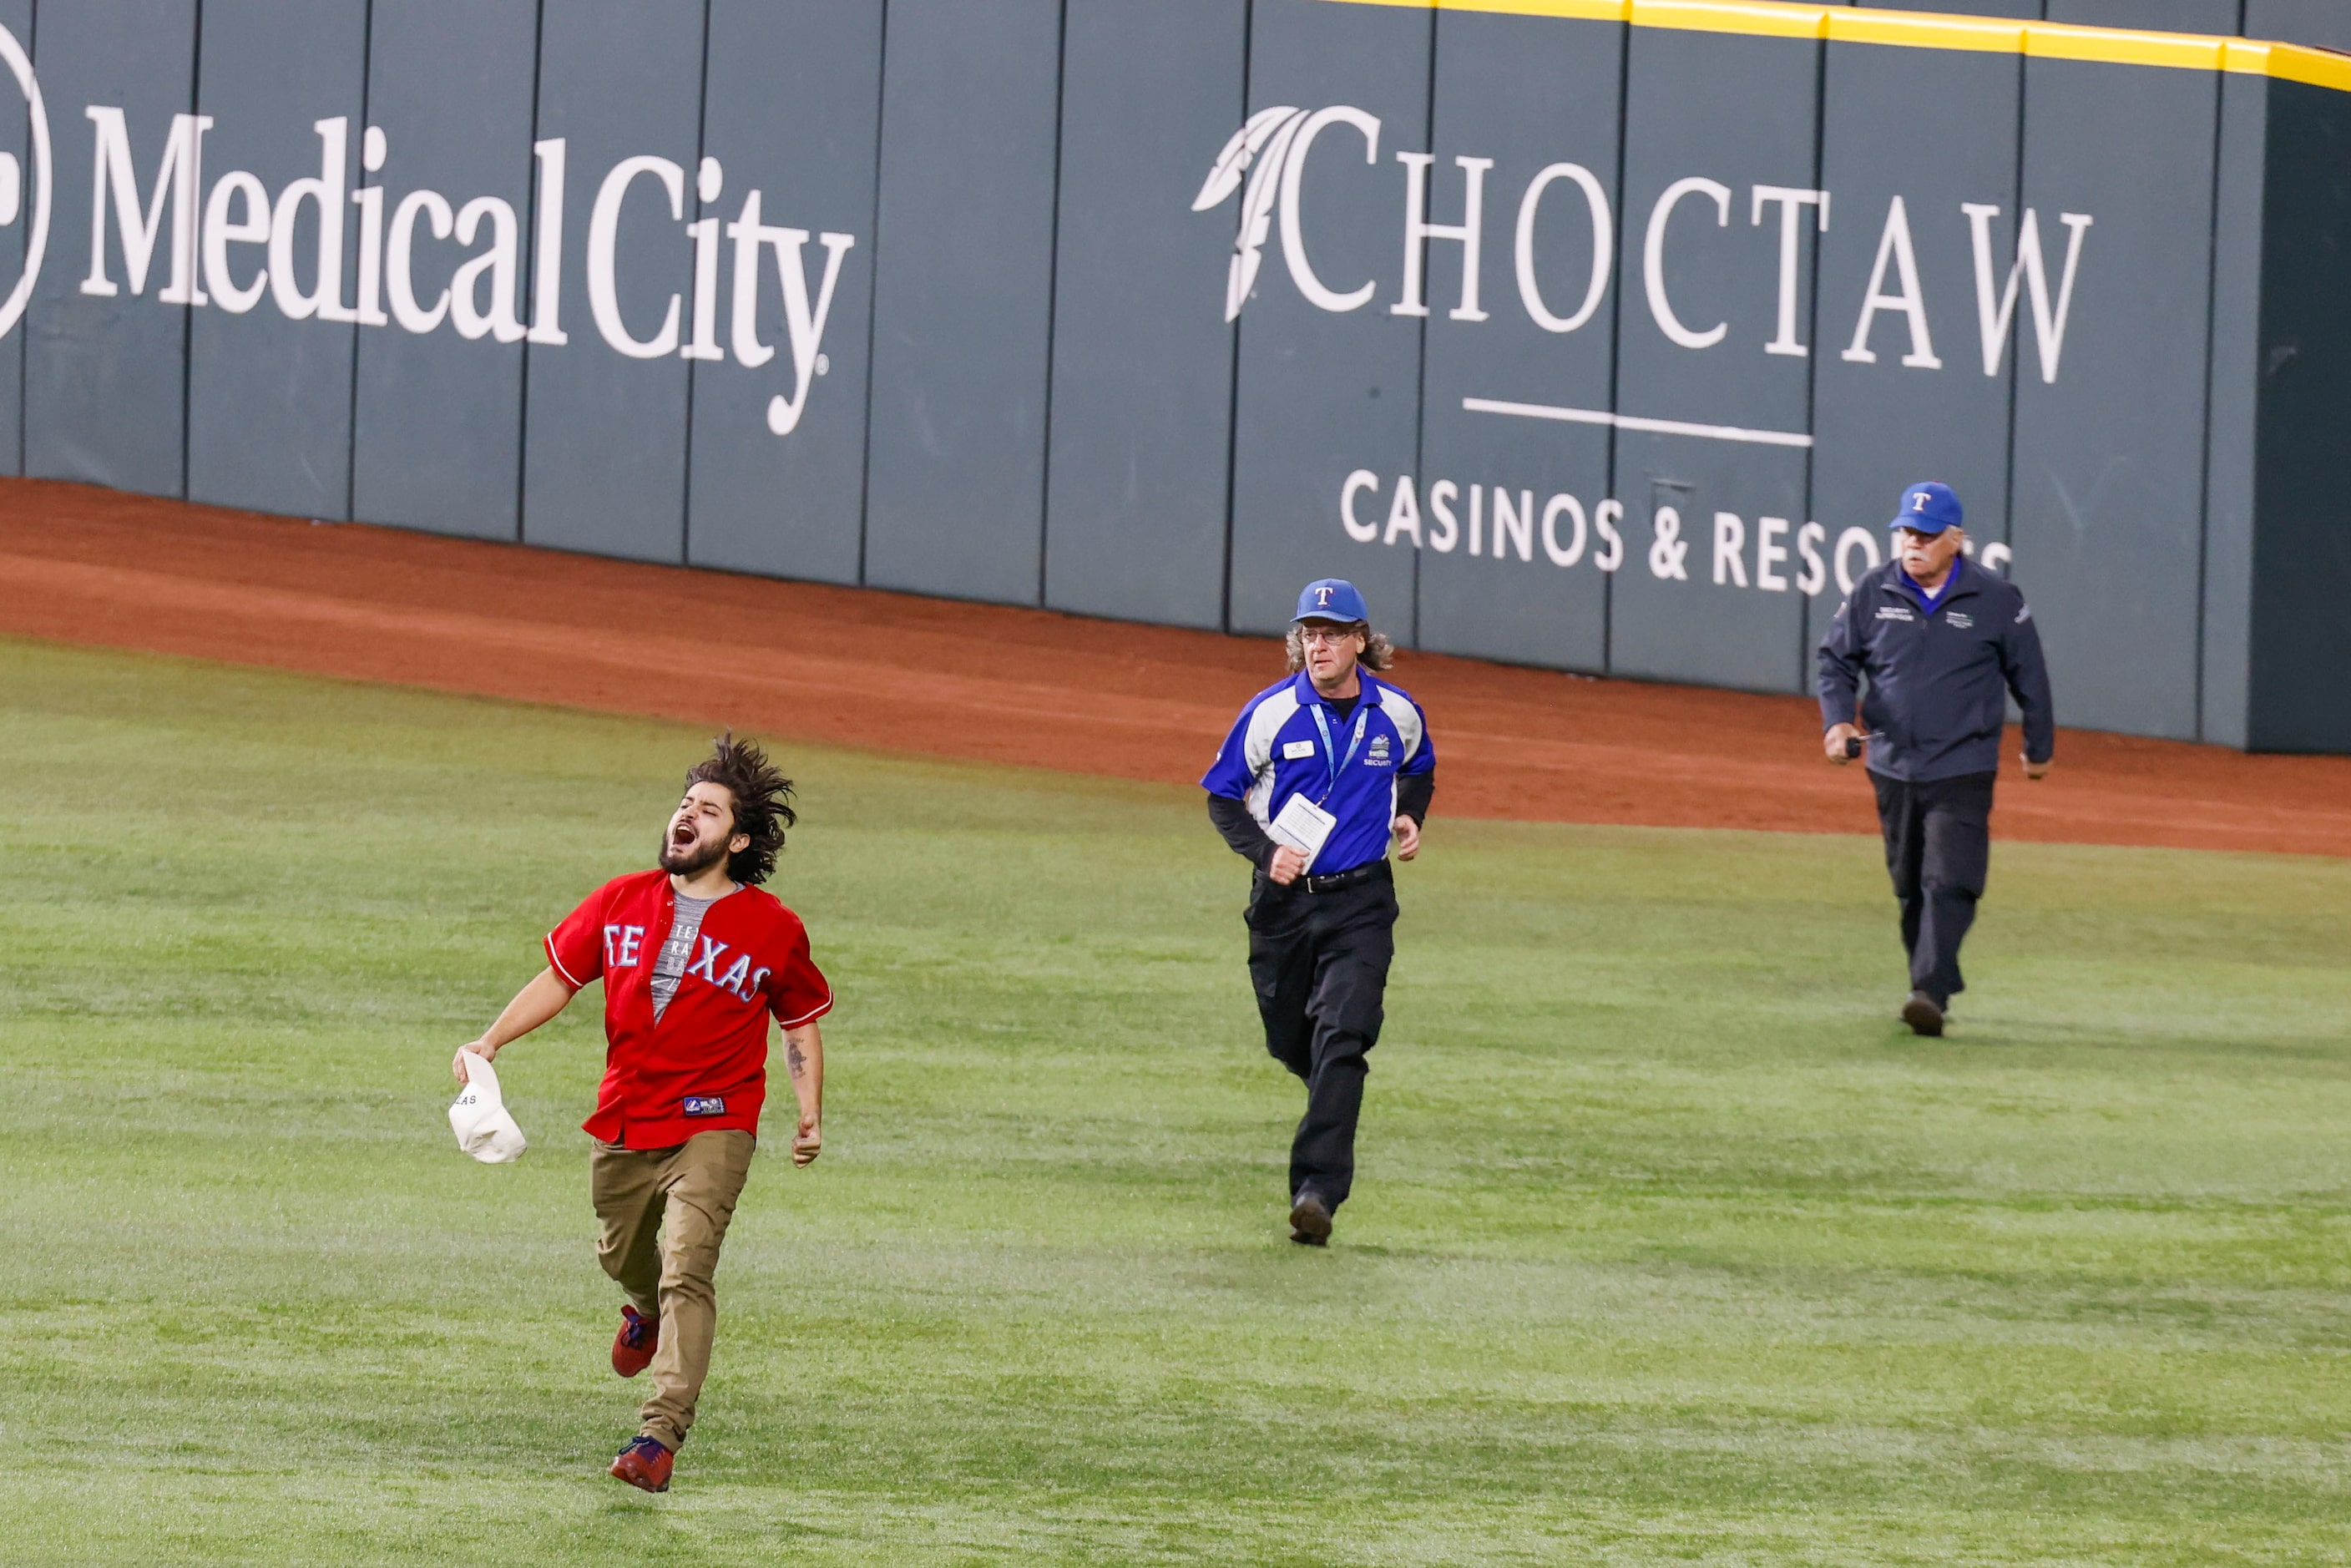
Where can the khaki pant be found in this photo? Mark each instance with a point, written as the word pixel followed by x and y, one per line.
pixel 672 1278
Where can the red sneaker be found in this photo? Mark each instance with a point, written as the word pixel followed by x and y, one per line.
pixel 644 1464
pixel 633 1346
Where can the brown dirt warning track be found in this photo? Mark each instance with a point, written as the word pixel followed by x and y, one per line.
pixel 890 672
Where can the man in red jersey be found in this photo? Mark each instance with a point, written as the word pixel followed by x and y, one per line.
pixel 695 958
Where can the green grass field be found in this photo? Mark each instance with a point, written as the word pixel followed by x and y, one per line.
pixel 1669 1246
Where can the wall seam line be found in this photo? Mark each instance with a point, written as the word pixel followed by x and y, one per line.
pixel 2204 455
pixel 188 312
pixel 25 326
pixel 873 294
pixel 1420 327
pixel 352 419
pixel 1616 347
pixel 694 366
pixel 539 196
pixel 1233 342
pixel 1052 299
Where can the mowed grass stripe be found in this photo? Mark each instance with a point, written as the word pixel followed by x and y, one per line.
pixel 1669 1246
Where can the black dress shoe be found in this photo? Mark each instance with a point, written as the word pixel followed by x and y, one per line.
pixel 1310 1221
pixel 1923 1013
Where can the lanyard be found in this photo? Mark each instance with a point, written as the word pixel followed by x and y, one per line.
pixel 1329 752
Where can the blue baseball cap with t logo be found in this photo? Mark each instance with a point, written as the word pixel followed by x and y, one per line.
pixel 1335 599
pixel 1928 509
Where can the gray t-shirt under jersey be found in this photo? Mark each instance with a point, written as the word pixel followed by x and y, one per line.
pixel 669 964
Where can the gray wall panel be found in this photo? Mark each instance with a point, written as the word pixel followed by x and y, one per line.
pixel 963 298
pixel 2324 23
pixel 438 418
pixel 270 396
pixel 604 444
pixel 1936 129
pixel 2149 16
pixel 2302 566
pixel 2108 483
pixel 2225 660
pixel 1736 110
pixel 791 109
pixel 15 139
pixel 1143 365
pixel 105 378
pixel 1529 93
pixel 1323 393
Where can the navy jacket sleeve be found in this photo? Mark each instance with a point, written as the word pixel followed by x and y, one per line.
pixel 1841 664
pixel 2027 674
pixel 1241 829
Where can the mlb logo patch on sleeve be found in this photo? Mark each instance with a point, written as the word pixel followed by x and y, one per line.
pixel 706 1105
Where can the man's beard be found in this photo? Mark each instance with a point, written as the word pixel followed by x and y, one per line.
pixel 692 859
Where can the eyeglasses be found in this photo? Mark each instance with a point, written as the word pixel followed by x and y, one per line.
pixel 1327 636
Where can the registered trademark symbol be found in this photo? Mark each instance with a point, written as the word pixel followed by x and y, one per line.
pixel 825 364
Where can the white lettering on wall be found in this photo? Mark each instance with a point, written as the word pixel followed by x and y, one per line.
pixel 1293 239
pixel 1418 231
pixel 324 300
pixel 2049 327
pixel 1753 562
pixel 603 240
pixel 1653 259
pixel 803 323
pixel 1790 201
pixel 1604 247
pixel 399 280
pixel 176 181
pixel 1272 148
pixel 1894 244
pixel 221 231
pixel 547 246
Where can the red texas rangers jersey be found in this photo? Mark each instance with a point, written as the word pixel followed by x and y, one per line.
pixel 704 1062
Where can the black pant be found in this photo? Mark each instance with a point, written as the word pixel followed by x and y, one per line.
pixel 1319 964
pixel 1938 847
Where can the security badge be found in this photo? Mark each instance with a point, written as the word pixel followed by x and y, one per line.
pixel 1296 749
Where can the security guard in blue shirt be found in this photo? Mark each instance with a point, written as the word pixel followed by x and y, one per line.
pixel 1942 643
pixel 1330 752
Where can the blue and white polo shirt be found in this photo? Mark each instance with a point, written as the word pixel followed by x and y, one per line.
pixel 1349 768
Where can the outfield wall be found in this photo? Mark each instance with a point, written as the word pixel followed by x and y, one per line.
pixel 1583 333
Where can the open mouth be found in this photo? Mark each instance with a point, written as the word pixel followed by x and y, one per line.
pixel 681 837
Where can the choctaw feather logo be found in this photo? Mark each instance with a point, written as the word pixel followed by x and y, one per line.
pixel 1258 149
pixel 1271 151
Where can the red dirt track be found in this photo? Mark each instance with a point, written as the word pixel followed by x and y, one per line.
pixel 890 672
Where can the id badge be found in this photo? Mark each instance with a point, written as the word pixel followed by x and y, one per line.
pixel 1303 826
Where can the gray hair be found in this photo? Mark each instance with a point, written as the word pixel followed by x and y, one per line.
pixel 1378 653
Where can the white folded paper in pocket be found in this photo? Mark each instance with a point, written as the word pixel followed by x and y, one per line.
pixel 479 1117
pixel 1303 826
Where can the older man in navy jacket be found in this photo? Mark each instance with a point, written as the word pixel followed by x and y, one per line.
pixel 1942 643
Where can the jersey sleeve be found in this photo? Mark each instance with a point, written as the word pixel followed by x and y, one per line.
pixel 797 991
pixel 575 949
pixel 1231 775
pixel 1422 760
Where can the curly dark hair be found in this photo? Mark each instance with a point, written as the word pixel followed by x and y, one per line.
pixel 762 799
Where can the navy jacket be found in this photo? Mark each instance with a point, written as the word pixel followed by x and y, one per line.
pixel 1937 683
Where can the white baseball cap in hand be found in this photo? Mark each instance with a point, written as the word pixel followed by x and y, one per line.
pixel 479 1117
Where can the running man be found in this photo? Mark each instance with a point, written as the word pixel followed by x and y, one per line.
pixel 678 1113
pixel 1320 771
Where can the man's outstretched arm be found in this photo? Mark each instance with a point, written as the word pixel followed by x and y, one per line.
pixel 537 1002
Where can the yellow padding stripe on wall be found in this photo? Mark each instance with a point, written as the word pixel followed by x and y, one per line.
pixel 1930 30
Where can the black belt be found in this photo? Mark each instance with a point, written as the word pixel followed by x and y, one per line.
pixel 1371 870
